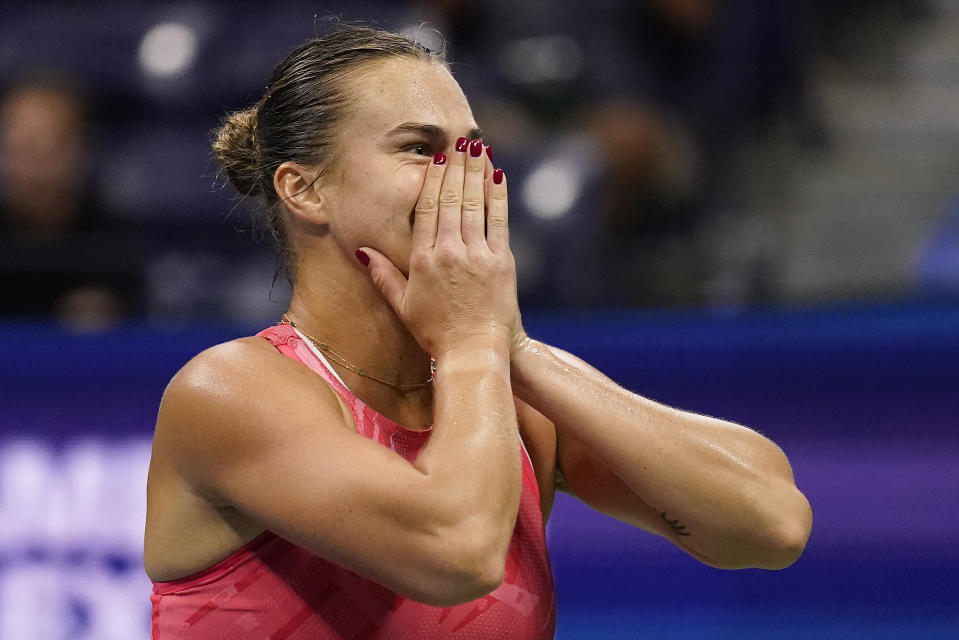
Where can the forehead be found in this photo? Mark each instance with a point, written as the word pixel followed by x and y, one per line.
pixel 397 90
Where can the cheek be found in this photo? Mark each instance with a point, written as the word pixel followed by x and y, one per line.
pixel 409 184
pixel 386 196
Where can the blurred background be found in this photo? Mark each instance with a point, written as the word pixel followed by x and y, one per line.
pixel 746 208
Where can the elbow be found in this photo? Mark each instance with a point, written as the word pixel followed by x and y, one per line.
pixel 470 576
pixel 774 542
pixel 474 566
pixel 467 549
pixel 787 539
pixel 481 561
pixel 486 568
pixel 478 580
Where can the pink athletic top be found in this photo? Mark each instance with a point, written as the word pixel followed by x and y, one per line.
pixel 273 589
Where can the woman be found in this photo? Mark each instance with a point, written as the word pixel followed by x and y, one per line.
pixel 286 501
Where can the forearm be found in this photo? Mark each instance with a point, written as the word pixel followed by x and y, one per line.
pixel 729 487
pixel 473 458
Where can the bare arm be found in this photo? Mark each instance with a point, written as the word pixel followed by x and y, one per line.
pixel 250 428
pixel 720 491
pixel 254 430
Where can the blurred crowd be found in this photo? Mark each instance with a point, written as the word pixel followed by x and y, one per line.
pixel 623 125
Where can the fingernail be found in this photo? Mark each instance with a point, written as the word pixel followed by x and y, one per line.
pixel 439 158
pixel 362 257
pixel 476 148
pixel 461 143
pixel 489 153
pixel 497 176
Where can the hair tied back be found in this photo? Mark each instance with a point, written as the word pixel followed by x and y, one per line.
pixel 234 146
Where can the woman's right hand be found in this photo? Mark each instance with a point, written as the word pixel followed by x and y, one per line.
pixel 461 289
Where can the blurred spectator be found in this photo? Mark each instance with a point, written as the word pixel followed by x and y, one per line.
pixel 656 148
pixel 61 256
pixel 666 92
pixel 938 269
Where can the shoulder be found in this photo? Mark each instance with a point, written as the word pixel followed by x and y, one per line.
pixel 238 372
pixel 234 399
pixel 234 361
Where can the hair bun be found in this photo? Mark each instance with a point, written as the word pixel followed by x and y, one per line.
pixel 234 146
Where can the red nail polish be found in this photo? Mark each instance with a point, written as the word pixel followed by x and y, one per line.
pixel 362 257
pixel 439 158
pixel 476 148
pixel 489 153
pixel 461 143
pixel 497 176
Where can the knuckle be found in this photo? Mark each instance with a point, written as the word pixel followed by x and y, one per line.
pixel 497 221
pixel 446 258
pixel 473 204
pixel 475 167
pixel 426 204
pixel 478 257
pixel 418 261
pixel 449 196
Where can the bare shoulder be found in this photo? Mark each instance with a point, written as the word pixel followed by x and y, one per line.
pixel 224 369
pixel 236 397
pixel 231 415
pixel 249 440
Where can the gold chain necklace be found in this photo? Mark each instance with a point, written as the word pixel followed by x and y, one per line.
pixel 338 359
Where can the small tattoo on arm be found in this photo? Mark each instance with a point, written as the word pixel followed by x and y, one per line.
pixel 678 529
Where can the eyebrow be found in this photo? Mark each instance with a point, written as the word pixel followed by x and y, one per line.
pixel 431 130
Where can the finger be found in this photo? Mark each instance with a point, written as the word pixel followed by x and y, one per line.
pixel 474 200
pixel 487 176
pixel 387 278
pixel 451 195
pixel 427 206
pixel 497 214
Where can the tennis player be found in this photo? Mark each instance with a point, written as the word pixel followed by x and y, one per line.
pixel 381 463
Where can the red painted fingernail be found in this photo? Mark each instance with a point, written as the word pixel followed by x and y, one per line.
pixel 362 257
pixel 439 158
pixel 461 143
pixel 489 153
pixel 497 176
pixel 476 148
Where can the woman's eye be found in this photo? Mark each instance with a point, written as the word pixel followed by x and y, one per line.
pixel 420 148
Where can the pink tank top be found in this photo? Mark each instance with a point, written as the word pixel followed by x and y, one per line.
pixel 273 589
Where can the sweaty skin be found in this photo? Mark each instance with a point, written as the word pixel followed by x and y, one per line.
pixel 241 426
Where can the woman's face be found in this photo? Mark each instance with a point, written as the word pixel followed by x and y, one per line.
pixel 405 111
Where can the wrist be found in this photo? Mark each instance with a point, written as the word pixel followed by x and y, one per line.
pixel 526 356
pixel 519 341
pixel 474 355
pixel 480 337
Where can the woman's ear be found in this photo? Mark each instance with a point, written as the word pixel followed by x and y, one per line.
pixel 296 187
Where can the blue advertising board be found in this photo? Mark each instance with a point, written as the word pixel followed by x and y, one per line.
pixel 864 402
